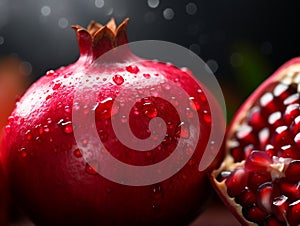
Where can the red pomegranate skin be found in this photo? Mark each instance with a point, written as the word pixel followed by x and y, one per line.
pixel 258 179
pixel 51 181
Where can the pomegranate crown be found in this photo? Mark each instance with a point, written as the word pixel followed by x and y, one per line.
pixel 98 39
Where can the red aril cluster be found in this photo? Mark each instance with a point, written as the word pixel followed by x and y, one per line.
pixel 259 179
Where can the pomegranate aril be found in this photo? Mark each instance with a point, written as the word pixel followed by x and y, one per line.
pixel 291 112
pixel 272 221
pixel 281 136
pixel 295 126
pixel 279 207
pixel 245 134
pixel 264 195
pixel 258 161
pixel 236 182
pixel 267 102
pixel 255 179
pixel 281 91
pixel 292 99
pixel 255 118
pixel 292 172
pixel 255 214
pixel 289 151
pixel 291 190
pixel 246 198
pixel 293 213
pixel 275 119
pixel 238 154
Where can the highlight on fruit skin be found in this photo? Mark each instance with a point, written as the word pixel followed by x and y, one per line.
pixel 52 182
pixel 259 178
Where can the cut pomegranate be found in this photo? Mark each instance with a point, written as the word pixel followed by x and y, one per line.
pixel 268 123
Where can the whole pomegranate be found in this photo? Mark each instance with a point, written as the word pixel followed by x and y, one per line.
pixel 260 177
pixel 56 174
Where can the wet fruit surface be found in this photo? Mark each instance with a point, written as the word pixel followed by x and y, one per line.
pixel 56 184
pixel 259 179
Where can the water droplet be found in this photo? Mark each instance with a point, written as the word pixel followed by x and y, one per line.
pixel 77 153
pixel 118 79
pixel 123 119
pixel 63 22
pixel 50 73
pixel 49 120
pixel 191 8
pixel 56 86
pixel 107 108
pixel 153 3
pixel 150 110
pixel 132 69
pixel 46 129
pixel 206 117
pixel 45 10
pixel 28 135
pixel 67 109
pixel 10 119
pixel 92 167
pixel 168 14
pixel 99 3
pixel 67 126
pixel 23 152
pixel 7 128
pixel 39 129
pixel 147 76
pixel 212 65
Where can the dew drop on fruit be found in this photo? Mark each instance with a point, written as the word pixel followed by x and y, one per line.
pixel 147 76
pixel 77 153
pixel 28 135
pixel 10 119
pixel 23 152
pixel 46 129
pixel 124 119
pixel 91 167
pixel 67 109
pixel 68 128
pixel 7 128
pixel 150 110
pixel 118 79
pixel 49 120
pixel 206 117
pixel 132 69
pixel 56 86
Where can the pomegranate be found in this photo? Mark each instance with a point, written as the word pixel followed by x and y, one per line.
pixel 51 172
pixel 259 178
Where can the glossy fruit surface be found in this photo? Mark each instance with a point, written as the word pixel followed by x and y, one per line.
pixel 56 184
pixel 259 179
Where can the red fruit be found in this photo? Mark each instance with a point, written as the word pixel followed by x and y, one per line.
pixel 268 122
pixel 54 177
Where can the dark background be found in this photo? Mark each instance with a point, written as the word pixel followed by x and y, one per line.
pixel 243 41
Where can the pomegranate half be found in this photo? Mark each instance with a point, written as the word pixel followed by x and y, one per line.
pixel 49 177
pixel 260 177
